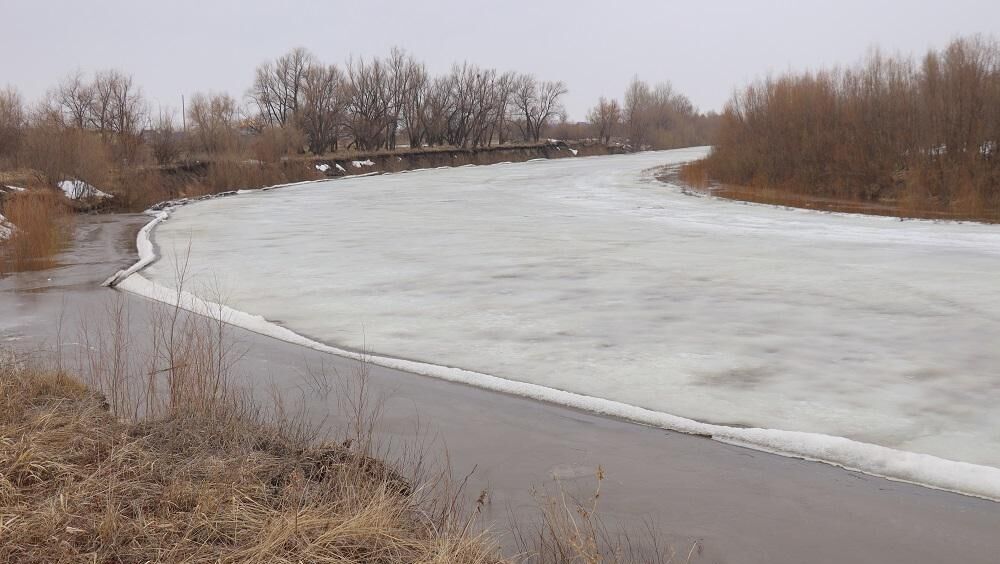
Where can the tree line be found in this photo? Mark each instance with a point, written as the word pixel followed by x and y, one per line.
pixel 918 134
pixel 297 103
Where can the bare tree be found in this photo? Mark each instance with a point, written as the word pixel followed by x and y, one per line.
pixel 504 87
pixel 117 110
pixel 605 117
pixel 277 88
pixel 536 104
pixel 75 98
pixel 368 84
pixel 324 100
pixel 214 119
pixel 415 105
pixel 129 115
pixel 164 140
pixel 638 102
pixel 660 117
pixel 402 71
pixel 12 121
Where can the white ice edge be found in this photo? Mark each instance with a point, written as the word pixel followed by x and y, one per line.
pixel 897 465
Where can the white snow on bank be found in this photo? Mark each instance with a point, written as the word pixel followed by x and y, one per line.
pixel 359 164
pixel 78 189
pixel 14 188
pixel 699 292
pixel 340 168
pixel 323 167
pixel 144 247
pixel 6 228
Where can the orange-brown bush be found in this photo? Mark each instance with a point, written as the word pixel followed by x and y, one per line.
pixel 59 153
pixel 917 136
pixel 41 227
pixel 273 143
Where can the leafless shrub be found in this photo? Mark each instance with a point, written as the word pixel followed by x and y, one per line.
pixel 42 225
pixel 165 141
pixel 918 136
pixel 536 104
pixel 60 153
pixel 278 86
pixel 12 124
pixel 214 122
pixel 325 99
pixel 274 143
pixel 605 117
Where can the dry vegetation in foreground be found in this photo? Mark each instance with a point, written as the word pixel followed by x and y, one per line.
pixel 159 457
pixel 887 136
pixel 78 484
pixel 42 227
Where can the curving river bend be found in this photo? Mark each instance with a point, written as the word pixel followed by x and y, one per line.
pixel 589 275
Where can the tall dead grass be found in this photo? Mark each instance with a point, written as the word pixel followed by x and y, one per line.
pixel 42 225
pixel 79 484
pixel 570 529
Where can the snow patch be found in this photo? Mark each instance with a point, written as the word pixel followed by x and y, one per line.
pixel 323 167
pixel 359 164
pixel 78 189
pixel 340 168
pixel 6 228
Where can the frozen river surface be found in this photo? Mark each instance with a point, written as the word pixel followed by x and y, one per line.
pixel 588 275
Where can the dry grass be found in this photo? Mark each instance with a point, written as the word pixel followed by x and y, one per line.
pixel 42 225
pixel 570 529
pixel 159 457
pixel 695 174
pixel 79 484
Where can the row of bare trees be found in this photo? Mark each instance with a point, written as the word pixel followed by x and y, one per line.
pixel 372 101
pixel 920 133
pixel 297 103
pixel 652 117
pixel 109 103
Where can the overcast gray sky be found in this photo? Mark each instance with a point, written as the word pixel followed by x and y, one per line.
pixel 704 47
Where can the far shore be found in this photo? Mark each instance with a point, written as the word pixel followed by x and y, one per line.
pixel 694 180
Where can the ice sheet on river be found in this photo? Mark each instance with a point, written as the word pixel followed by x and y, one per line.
pixel 588 275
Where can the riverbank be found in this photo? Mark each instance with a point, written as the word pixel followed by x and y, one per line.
pixel 696 176
pixel 737 505
pixel 138 189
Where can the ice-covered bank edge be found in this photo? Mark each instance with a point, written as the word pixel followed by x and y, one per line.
pixel 921 469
